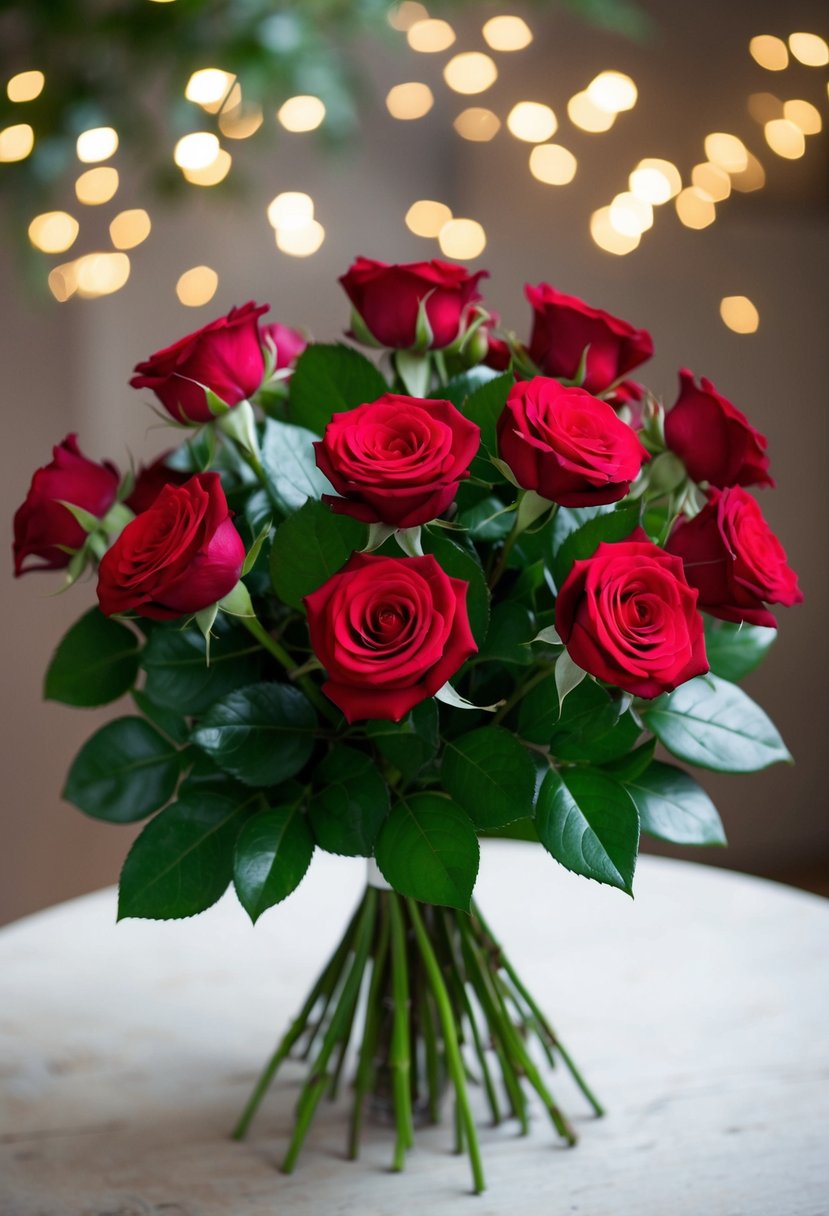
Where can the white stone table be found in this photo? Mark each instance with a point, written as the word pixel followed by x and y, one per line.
pixel 699 1013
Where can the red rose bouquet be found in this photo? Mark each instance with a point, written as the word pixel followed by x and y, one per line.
pixel 386 606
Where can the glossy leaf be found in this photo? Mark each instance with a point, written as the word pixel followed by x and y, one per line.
pixel 463 386
pixel 485 406
pixel 673 806
pixel 124 772
pixel 171 724
pixel 411 744
pixel 288 458
pixel 95 663
pixel 261 735
pixel 350 803
pixel 178 677
pixel 585 540
pixel 714 724
pixel 273 853
pixel 511 628
pixel 590 825
pixel 459 562
pixel 490 775
pixel 734 650
pixel 428 849
pixel 183 860
pixel 329 379
pixel 309 547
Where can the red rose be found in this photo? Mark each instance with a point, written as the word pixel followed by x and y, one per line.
pixel 734 559
pixel 390 632
pixel 177 557
pixel 224 356
pixel 713 439
pixel 397 460
pixel 564 327
pixel 628 616
pixel 567 445
pixel 43 527
pixel 150 480
pixel 288 343
pixel 387 301
pixel 498 352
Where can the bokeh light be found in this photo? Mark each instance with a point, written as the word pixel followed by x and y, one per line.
pixel 290 209
pixel 809 49
pixel 587 116
pixel 507 33
pixel 607 237
pixel 53 231
pixel 739 314
pixel 462 239
pixel 470 72
pixel 785 138
pixel 804 115
pixel 97 186
pixel 213 173
pixel 532 121
pixel 130 228
pixel 99 143
pixel 430 36
pixel 613 92
pixel 629 215
pixel 655 181
pixel 477 124
pixel 302 113
pixel 410 100
pixel 712 181
pixel 553 164
pixel 101 274
pixel 753 177
pixel 300 242
pixel 403 16
pixel 695 209
pixel 241 121
pixel 426 217
pixel 196 150
pixel 769 52
pixel 25 86
pixel 209 87
pixel 727 151
pixel 16 142
pixel 197 286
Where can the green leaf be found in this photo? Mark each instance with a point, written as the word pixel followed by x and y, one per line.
pixel 589 824
pixel 460 563
pixel 585 540
pixel 262 734
pixel 461 387
pixel 173 725
pixel 95 663
pixel 486 405
pixel 673 806
pixel 411 744
pixel 511 627
pixel 309 547
pixel 713 724
pixel 183 860
pixel 591 727
pixel 428 849
pixel 734 650
pixel 177 673
pixel 288 459
pixel 124 772
pixel 273 853
pixel 329 379
pixel 487 520
pixel 490 775
pixel 630 766
pixel 350 803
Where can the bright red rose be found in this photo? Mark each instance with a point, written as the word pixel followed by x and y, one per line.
pixel 567 445
pixel 713 439
pixel 397 460
pixel 43 527
pixel 150 480
pixel 288 343
pixel 628 616
pixel 734 559
pixel 564 326
pixel 387 299
pixel 177 557
pixel 224 356
pixel 390 632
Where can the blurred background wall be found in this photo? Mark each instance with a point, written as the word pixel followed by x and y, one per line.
pixel 64 367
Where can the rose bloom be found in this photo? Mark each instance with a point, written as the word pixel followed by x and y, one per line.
pixel 387 299
pixel 734 560
pixel 389 632
pixel 628 616
pixel 397 460
pixel 150 480
pixel 563 326
pixel 224 356
pixel 713 439
pixel 288 343
pixel 179 556
pixel 567 445
pixel 43 527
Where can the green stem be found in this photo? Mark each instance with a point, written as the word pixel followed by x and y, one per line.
pixel 453 1055
pixel 503 556
pixel 366 1066
pixel 317 698
pixel 399 1057
pixel 521 691
pixel 430 1043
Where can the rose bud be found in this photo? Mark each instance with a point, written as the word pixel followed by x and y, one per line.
pixel 566 445
pixel 390 632
pixel 387 302
pixel 397 460
pixel 224 357
pixel 287 344
pixel 564 327
pixel 734 560
pixel 179 556
pixel 714 440
pixel 150 480
pixel 43 527
pixel 628 616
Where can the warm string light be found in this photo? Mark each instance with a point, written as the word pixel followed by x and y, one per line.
pixel 97 186
pixel 99 143
pixel 197 286
pixel 54 231
pixel 209 88
pixel 462 239
pixel 477 124
pixel 430 35
pixel 303 113
pixel 25 86
pixel 296 231
pixel 532 122
pixel 470 72
pixel 410 100
pixel 587 116
pixel 739 314
pixel 403 16
pixel 196 150
pixel 426 217
pixel 130 228
pixel 507 33
pixel 213 173
pixel 16 142
pixel 553 164
pixel 809 49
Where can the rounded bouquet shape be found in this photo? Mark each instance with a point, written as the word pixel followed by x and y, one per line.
pixel 385 606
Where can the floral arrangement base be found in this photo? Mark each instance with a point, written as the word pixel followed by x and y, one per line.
pixel 430 1001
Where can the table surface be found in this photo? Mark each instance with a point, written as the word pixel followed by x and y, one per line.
pixel 698 1012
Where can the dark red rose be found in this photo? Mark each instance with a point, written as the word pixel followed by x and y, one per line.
pixel 567 445
pixel 43 527
pixel 387 300
pixel 224 356
pixel 628 616
pixel 177 557
pixel 397 460
pixel 390 632
pixel 734 559
pixel 713 439
pixel 564 326
pixel 150 480
pixel 288 343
